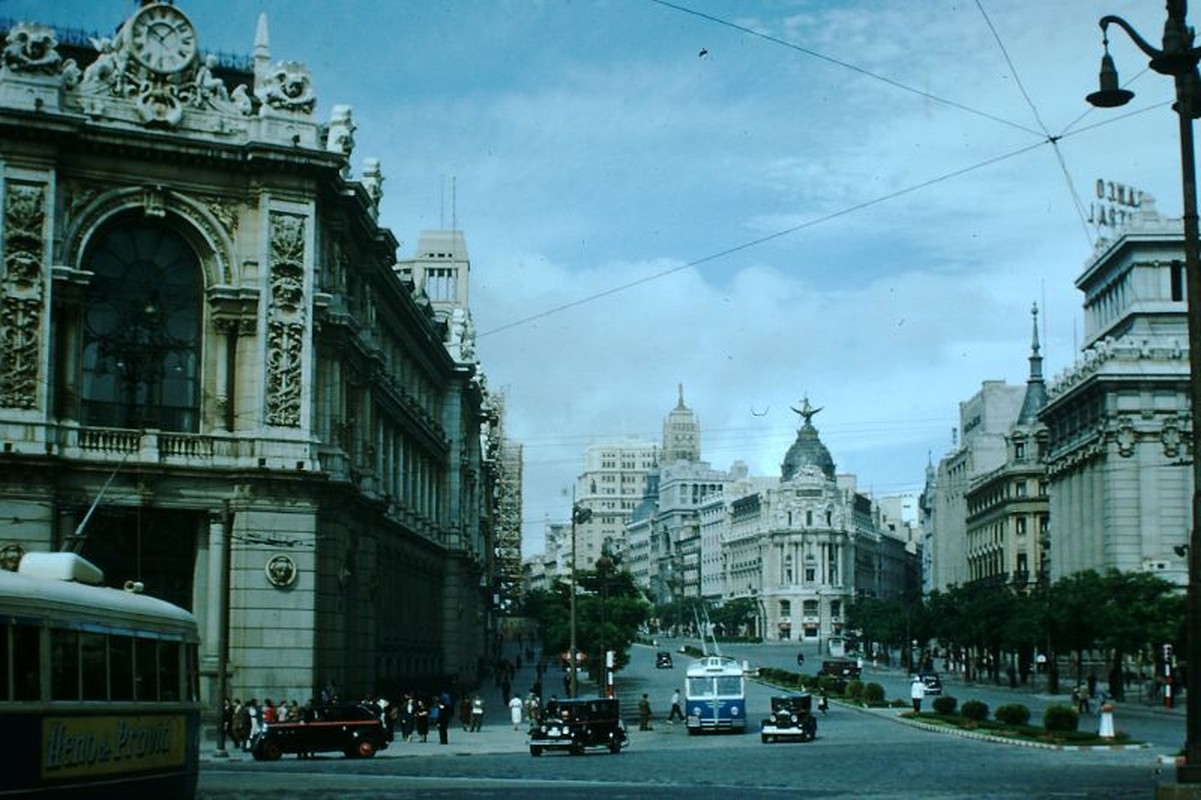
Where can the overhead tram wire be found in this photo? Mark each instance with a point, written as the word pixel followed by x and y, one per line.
pixel 847 65
pixel 762 239
pixel 1077 202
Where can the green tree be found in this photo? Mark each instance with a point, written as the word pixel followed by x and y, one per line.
pixel 609 612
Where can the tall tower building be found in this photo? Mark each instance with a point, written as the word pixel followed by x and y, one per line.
pixel 681 433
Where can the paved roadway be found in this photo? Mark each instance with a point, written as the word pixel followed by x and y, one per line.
pixel 858 754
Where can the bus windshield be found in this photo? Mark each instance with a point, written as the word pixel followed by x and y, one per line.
pixel 715 686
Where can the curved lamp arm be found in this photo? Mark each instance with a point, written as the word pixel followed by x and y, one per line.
pixel 1142 43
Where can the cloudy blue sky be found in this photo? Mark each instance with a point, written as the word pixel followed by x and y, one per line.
pixel 856 201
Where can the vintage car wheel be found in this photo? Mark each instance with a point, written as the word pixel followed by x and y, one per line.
pixel 614 746
pixel 269 751
pixel 365 748
pixel 763 737
pixel 535 750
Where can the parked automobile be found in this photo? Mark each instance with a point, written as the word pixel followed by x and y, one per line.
pixel 791 718
pixel 931 681
pixel 663 660
pixel 575 725
pixel 351 728
pixel 841 668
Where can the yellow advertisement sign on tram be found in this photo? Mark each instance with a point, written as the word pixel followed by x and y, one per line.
pixel 80 746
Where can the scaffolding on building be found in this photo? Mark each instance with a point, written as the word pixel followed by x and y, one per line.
pixel 508 515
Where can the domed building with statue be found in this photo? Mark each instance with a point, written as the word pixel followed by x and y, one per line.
pixel 805 547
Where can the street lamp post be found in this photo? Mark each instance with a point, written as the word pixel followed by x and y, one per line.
pixel 578 516
pixel 1178 58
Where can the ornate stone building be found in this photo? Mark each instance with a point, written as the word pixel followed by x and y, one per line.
pixel 209 354
pixel 1118 421
pixel 806 547
pixel 1008 536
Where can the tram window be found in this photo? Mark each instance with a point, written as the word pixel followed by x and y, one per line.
pixel 27 661
pixel 145 669
pixel 729 684
pixel 700 687
pixel 169 672
pixel 4 649
pixel 120 665
pixel 64 665
pixel 95 668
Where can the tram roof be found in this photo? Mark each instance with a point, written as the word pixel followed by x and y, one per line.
pixel 56 592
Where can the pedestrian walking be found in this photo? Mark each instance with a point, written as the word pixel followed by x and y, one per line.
pixel 477 713
pixel 423 720
pixel 644 714
pixel 444 715
pixel 917 692
pixel 676 710
pixel 515 712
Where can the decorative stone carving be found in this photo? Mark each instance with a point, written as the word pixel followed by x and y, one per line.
pixel 373 179
pixel 281 571
pixel 160 84
pixel 286 322
pixel 31 47
pixel 288 88
pixel 1126 437
pixel 341 131
pixel 1171 437
pixel 22 293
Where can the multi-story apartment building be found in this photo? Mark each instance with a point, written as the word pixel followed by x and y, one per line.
pixel 1118 420
pixel 611 485
pixel 211 358
pixel 985 421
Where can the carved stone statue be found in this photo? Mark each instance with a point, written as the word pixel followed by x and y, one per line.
pixel 31 47
pixel 289 88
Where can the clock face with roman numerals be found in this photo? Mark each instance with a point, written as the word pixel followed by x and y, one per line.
pixel 162 38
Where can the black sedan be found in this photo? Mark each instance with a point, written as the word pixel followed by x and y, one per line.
pixel 663 660
pixel 350 728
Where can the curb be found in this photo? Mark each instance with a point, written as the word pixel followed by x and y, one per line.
pixel 988 737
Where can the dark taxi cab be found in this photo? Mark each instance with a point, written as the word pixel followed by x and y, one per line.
pixel 791 718
pixel 575 725
pixel 350 728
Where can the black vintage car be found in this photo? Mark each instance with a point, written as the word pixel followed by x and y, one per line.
pixel 350 728
pixel 791 718
pixel 663 660
pixel 575 725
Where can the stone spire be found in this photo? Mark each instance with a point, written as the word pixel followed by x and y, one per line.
pixel 1036 388
pixel 262 53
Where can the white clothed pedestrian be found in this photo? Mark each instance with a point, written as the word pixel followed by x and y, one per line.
pixel 917 692
pixel 515 711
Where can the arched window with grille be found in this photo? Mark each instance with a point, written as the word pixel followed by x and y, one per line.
pixel 141 329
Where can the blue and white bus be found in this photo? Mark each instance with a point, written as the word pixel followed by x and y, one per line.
pixel 715 696
pixel 99 687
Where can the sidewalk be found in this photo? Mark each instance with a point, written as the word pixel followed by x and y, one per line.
pixel 496 735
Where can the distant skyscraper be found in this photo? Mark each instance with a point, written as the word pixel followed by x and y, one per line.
pixel 681 433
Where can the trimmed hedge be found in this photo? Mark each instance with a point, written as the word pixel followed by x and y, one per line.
pixel 1060 718
pixel 945 705
pixel 1013 714
pixel 854 690
pixel 974 710
pixel 873 694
